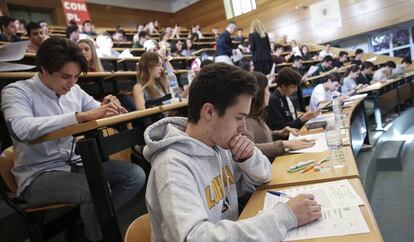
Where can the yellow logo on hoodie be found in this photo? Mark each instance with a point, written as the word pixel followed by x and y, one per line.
pixel 214 196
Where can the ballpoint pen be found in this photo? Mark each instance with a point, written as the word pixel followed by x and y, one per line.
pixel 300 164
pixel 315 165
pixel 279 194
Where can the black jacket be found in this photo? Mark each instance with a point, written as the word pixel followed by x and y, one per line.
pixel 260 47
pixel 224 44
pixel 363 79
pixel 279 113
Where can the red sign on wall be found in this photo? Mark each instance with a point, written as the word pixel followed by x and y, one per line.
pixel 75 10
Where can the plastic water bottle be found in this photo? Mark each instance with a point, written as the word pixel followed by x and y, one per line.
pixel 335 145
pixel 337 109
pixel 174 88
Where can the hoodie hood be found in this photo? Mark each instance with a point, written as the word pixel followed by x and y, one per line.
pixel 170 132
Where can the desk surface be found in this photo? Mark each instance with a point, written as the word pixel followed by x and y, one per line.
pixel 256 201
pixel 282 178
pixel 105 122
pixel 379 85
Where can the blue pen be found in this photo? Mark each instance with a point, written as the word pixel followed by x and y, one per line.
pixel 279 194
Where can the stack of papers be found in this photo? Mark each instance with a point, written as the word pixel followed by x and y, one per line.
pixel 328 117
pixel 13 52
pixel 355 97
pixel 340 210
pixel 320 143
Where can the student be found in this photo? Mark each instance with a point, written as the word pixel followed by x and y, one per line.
pixel 176 32
pixel 324 66
pixel 163 43
pixel 295 48
pixel 365 76
pixel 400 69
pixel 89 52
pixel 176 48
pixel 260 47
pixel 349 85
pixel 324 91
pixel 142 37
pixel 187 48
pixel 258 131
pixel 203 164
pixel 150 28
pixel 152 82
pixel 224 45
pixel 20 26
pixel 281 111
pixel 305 88
pixel 119 35
pixel 36 37
pixel 278 57
pixel 72 33
pixel 384 73
pixel 88 28
pixel 216 32
pixel 45 27
pixel 306 55
pixel 156 26
pixel 239 36
pixel 104 46
pixel 8 29
pixel 358 57
pixel 140 28
pixel 342 59
pixel 47 173
pixel 246 64
pixel 326 52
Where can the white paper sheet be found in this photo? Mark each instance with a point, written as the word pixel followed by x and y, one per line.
pixel 355 97
pixel 237 55
pixel 6 66
pixel 340 210
pixel 312 70
pixel 320 143
pixel 328 117
pixel 13 51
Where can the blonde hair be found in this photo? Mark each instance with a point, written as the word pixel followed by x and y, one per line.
pixel 96 62
pixel 257 26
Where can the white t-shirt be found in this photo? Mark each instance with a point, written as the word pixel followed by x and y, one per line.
pixel 348 86
pixel 379 75
pixel 319 94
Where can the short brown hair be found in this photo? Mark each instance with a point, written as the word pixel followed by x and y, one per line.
pixel 219 84
pixel 288 76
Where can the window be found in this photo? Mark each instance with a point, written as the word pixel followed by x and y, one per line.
pixel 406 52
pixel 238 7
pixel 381 42
pixel 400 37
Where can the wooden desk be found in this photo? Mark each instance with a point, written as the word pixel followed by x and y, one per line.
pixel 256 202
pixel 95 148
pixel 282 178
pixel 200 51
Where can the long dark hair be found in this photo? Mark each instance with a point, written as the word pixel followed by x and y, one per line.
pixel 257 108
pixel 147 62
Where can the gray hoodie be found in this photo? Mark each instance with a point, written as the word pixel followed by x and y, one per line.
pixel 185 196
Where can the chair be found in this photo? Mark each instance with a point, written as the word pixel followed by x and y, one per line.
pixel 139 230
pixel 8 190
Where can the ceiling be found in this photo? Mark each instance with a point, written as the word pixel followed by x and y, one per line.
pixel 170 6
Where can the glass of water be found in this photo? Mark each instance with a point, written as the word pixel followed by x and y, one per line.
pixel 335 145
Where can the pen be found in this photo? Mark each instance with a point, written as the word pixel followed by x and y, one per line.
pixel 279 194
pixel 315 165
pixel 300 164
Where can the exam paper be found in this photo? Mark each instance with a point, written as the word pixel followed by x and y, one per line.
pixel 320 143
pixel 6 66
pixel 355 97
pixel 312 70
pixel 13 51
pixel 335 194
pixel 328 117
pixel 340 210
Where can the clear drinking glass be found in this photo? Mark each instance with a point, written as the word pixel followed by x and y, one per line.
pixel 335 144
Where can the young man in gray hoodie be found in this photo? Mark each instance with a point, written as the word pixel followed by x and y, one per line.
pixel 201 166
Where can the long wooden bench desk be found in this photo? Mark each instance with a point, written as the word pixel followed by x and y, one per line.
pixel 94 149
pixel 281 179
pixel 256 201
pixel 389 95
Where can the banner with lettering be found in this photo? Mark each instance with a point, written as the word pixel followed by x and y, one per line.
pixel 75 10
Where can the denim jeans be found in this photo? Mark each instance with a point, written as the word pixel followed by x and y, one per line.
pixel 125 180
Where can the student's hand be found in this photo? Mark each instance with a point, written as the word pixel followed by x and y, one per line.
pixel 105 110
pixel 114 100
pixel 270 78
pixel 241 148
pixel 298 144
pixel 286 131
pixel 343 98
pixel 305 208
pixel 359 86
